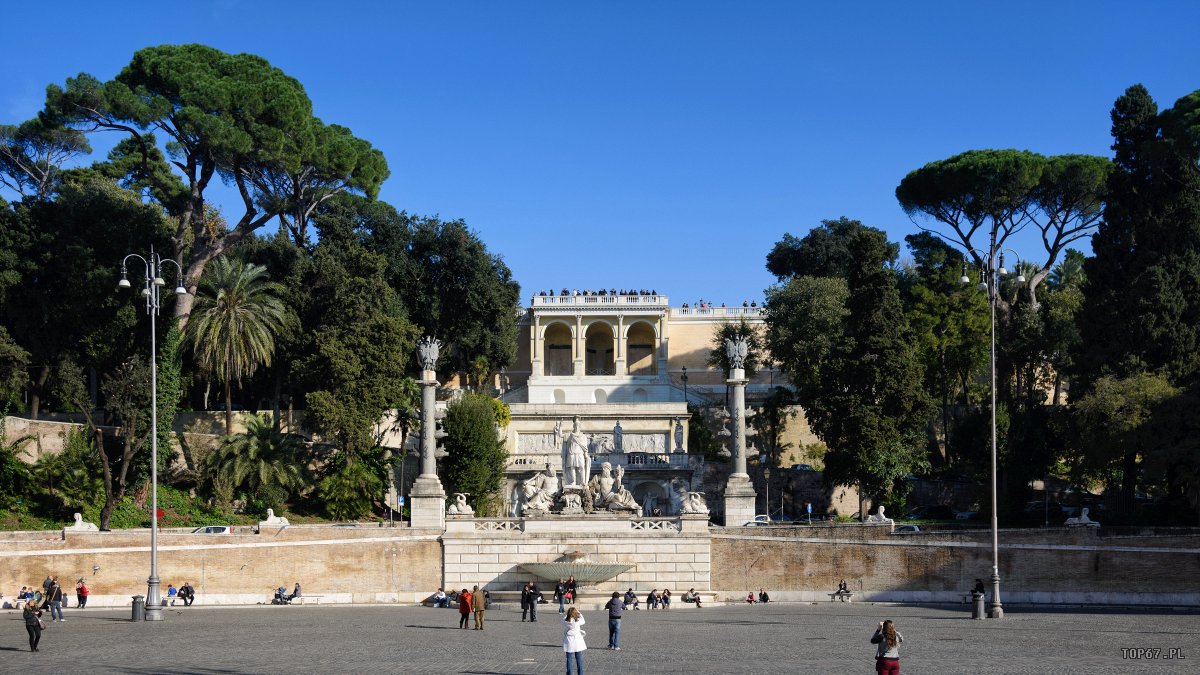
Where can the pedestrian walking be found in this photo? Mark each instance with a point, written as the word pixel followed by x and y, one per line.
pixel 560 594
pixel 479 604
pixel 81 593
pixel 33 624
pixel 887 655
pixel 526 601
pixel 573 635
pixel 615 608
pixel 572 589
pixel 56 602
pixel 464 608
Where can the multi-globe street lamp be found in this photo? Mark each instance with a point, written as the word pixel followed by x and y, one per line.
pixel 151 290
pixel 992 272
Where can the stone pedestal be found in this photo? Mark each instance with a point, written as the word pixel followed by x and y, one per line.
pixel 427 503
pixel 739 500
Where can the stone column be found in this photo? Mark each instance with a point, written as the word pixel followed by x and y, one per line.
pixel 537 349
pixel 620 346
pixel 739 491
pixel 580 348
pixel 428 498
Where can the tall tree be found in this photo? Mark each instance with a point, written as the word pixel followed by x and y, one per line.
pixel 236 315
pixel 860 385
pixel 477 457
pixel 228 115
pixel 261 459
pixel 985 197
pixel 32 156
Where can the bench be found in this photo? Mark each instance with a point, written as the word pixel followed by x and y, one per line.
pixel 844 596
pixel 307 600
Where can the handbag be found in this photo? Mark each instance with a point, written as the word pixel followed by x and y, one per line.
pixel 41 624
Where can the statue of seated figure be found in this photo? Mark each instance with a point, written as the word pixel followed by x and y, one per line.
pixel 538 492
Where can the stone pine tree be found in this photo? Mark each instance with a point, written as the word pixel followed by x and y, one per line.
pixel 860 382
pixel 477 457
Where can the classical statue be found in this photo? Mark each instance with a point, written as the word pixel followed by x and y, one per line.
pixel 538 492
pixel 460 506
pixel 619 437
pixel 736 350
pixel 684 501
pixel 621 499
pixel 880 518
pixel 1082 521
pixel 575 459
pixel 81 525
pixel 678 435
pixel 601 486
pixel 427 350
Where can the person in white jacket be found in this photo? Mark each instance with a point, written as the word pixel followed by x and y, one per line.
pixel 573 639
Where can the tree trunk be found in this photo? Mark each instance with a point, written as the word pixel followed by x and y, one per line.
pixel 36 391
pixel 228 407
pixel 275 400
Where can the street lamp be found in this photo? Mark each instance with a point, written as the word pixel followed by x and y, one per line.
pixel 152 291
pixel 684 378
pixel 991 274
pixel 767 482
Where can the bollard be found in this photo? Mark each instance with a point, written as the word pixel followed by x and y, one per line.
pixel 977 611
pixel 139 608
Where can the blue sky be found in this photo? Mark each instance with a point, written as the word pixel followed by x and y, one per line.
pixel 665 145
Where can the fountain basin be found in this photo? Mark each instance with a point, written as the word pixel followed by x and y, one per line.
pixel 584 572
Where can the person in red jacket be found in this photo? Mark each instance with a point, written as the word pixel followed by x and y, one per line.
pixel 81 593
pixel 464 608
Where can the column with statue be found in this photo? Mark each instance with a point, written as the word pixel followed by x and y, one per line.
pixel 428 497
pixel 739 491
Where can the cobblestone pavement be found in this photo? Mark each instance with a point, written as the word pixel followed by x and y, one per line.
pixel 785 638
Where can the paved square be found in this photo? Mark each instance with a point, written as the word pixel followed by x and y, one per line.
pixel 784 638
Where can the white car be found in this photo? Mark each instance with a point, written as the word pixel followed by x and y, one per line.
pixel 213 529
pixel 906 529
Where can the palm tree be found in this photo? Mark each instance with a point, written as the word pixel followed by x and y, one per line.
pixel 261 458
pixel 234 320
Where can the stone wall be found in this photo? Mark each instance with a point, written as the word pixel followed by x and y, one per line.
pixel 663 552
pixel 341 564
pixel 1045 566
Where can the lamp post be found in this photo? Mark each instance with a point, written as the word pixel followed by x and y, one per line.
pixel 152 284
pixel 684 378
pixel 991 274
pixel 767 483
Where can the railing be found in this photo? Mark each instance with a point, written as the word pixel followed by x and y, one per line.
pixel 499 525
pixel 754 312
pixel 602 300
pixel 610 371
pixel 663 524
pixel 648 460
pixel 536 462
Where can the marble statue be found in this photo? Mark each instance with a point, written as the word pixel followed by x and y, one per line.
pixel 621 499
pixel 678 435
pixel 619 437
pixel 460 506
pixel 575 460
pixel 601 485
pixel 81 526
pixel 1082 520
pixel 272 521
pixel 538 492
pixel 736 350
pixel 684 501
pixel 427 350
pixel 572 501
pixel 880 518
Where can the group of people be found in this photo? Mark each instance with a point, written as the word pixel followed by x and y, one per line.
pixel 475 602
pixel 282 597
pixel 761 598
pixel 51 598
pixel 601 292
pixel 565 591
pixel 187 594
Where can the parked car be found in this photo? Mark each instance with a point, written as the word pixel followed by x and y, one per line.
pixel 213 529
pixel 906 529
pixel 803 467
pixel 966 515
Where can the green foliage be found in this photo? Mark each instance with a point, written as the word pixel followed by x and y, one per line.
pixel 14 362
pixel 262 462
pixel 359 346
pixel 501 411
pixel 349 490
pixel 170 382
pixel 717 357
pixel 849 350
pixel 71 478
pixel 477 456
pixel 701 440
pixel 32 155
pixel 235 317
pixel 15 480
pixel 823 252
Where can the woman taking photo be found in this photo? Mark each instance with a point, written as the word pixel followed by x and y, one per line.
pixel 887 655
pixel 573 639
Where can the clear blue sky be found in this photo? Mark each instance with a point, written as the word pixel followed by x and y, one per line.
pixel 657 144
